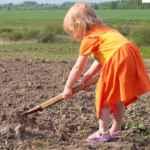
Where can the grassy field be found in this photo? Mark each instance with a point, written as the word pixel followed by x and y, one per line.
pixel 29 23
pixel 49 51
pixel 20 19
pixel 145 51
pixel 39 51
pixel 60 14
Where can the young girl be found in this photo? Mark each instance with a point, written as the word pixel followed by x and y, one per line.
pixel 123 76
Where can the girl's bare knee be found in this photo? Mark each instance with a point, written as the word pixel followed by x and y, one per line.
pixel 119 107
pixel 120 104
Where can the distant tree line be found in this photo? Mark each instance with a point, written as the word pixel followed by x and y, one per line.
pixel 120 4
pixel 29 3
pixel 124 4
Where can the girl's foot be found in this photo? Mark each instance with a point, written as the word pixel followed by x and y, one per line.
pixel 116 134
pixel 99 137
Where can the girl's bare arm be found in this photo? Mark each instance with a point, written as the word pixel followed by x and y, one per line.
pixel 74 76
pixel 95 67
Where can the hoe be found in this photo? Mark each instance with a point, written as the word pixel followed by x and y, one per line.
pixel 21 117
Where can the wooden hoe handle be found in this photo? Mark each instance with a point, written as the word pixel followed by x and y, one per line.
pixel 76 89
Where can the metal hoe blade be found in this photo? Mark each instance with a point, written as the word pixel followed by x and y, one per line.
pixel 22 119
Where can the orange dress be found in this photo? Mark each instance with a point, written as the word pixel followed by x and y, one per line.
pixel 124 75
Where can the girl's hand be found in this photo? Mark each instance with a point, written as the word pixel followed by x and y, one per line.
pixel 84 79
pixel 67 94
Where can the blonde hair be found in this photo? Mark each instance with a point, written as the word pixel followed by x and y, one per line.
pixel 80 19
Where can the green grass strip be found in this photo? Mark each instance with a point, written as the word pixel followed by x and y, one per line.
pixel 48 51
pixel 58 14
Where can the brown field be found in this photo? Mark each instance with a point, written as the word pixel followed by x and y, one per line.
pixel 67 124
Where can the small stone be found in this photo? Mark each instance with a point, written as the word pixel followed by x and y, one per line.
pixel 19 129
pixel 29 84
pixel 120 140
pixel 5 130
pixel 4 70
pixel 79 128
pixel 6 142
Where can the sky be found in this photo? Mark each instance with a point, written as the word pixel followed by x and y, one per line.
pixel 49 1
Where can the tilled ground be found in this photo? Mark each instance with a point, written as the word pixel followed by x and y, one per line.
pixel 67 124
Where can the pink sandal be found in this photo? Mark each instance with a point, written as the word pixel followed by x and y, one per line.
pixel 116 134
pixel 98 137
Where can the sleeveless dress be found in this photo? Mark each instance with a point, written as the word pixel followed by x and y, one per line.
pixel 124 75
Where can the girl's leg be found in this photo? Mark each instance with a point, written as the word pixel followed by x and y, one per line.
pixel 103 133
pixel 104 121
pixel 119 111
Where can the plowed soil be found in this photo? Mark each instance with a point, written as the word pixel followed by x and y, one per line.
pixel 67 124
